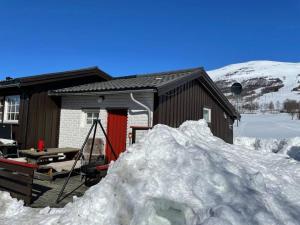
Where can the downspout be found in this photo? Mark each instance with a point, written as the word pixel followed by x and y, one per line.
pixel 144 106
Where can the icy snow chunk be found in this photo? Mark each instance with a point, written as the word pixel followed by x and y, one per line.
pixel 9 207
pixel 164 212
pixel 294 152
pixel 289 147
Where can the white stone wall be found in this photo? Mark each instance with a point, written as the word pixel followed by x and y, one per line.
pixel 73 127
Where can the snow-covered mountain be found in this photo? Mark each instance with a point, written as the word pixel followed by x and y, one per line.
pixel 262 81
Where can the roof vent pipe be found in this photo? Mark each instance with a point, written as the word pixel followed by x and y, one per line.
pixel 144 106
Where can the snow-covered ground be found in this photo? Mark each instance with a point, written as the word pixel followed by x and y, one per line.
pixel 177 177
pixel 276 133
pixel 279 126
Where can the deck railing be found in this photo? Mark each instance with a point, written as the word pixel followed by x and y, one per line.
pixel 17 178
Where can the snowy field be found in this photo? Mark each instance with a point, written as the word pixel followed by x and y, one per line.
pixel 183 176
pixel 267 125
pixel 275 133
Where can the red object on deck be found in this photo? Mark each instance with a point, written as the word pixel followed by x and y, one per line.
pixel 102 167
pixel 116 132
pixel 41 145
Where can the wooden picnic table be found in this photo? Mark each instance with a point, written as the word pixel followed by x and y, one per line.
pixel 34 156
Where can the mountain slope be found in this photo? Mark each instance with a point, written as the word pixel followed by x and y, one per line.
pixel 262 81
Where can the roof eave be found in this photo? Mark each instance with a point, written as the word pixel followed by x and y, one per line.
pixel 61 76
pixel 17 85
pixel 97 93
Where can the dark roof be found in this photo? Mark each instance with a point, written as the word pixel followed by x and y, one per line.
pixel 146 81
pixel 159 82
pixel 53 77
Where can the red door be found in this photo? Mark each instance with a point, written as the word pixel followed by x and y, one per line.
pixel 116 132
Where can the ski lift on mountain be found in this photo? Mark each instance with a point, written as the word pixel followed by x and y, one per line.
pixel 236 90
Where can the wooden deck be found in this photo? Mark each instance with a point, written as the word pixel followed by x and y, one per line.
pixel 18 178
pixel 46 192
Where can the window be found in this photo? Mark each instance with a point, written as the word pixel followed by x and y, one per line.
pixel 91 116
pixel 1 108
pixel 11 109
pixel 207 114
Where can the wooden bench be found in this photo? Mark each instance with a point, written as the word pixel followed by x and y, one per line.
pixel 17 178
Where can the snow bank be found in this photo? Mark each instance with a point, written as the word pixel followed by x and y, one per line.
pixel 9 207
pixel 289 146
pixel 180 176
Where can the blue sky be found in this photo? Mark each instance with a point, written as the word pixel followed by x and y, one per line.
pixel 128 37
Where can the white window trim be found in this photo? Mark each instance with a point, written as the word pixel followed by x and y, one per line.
pixel 2 100
pixel 5 120
pixel 84 118
pixel 209 114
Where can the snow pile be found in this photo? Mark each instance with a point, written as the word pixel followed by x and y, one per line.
pixel 289 146
pixel 9 207
pixel 181 176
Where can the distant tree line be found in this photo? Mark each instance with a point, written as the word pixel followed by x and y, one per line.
pixel 265 107
pixel 292 107
pixel 289 106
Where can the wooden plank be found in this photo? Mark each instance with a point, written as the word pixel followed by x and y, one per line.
pixel 15 187
pixel 17 163
pixel 50 151
pixel 16 168
pixel 42 176
pixel 31 124
pixel 47 122
pixel 16 177
pixel 172 107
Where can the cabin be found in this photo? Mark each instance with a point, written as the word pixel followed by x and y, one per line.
pixel 60 108
pixel 30 112
pixel 132 104
pixel 54 113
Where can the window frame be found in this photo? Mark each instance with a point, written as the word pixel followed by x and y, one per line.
pixel 209 114
pixel 2 103
pixel 85 117
pixel 15 112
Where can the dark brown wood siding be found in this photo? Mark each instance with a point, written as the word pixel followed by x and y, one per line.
pixel 43 120
pixel 186 102
pixel 39 119
pixel 40 113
